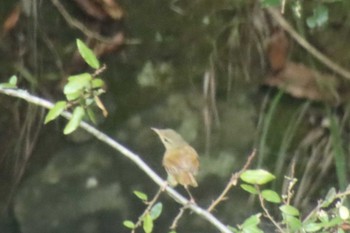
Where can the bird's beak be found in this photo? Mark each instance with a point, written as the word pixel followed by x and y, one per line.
pixel 155 130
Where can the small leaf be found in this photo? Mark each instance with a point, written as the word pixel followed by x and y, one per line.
pixel 101 106
pixel 74 95
pixel 147 223
pixel 156 210
pixel 88 55
pixel 97 83
pixel 91 115
pixel 129 224
pixel 55 111
pixel 271 196
pixel 13 80
pixel 141 195
pixel 253 220
pixel 74 122
pixel 258 176
pixel 172 231
pixel 343 213
pixel 12 83
pixel 252 229
pixel 290 210
pixel 77 83
pixel 312 227
pixel 249 188
pixel 293 223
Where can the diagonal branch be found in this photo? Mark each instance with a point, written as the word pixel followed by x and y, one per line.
pixel 22 94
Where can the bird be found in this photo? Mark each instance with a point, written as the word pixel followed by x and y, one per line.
pixel 180 160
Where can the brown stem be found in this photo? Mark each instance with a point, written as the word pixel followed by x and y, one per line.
pixel 232 182
pixel 177 218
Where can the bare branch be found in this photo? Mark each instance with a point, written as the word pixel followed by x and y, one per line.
pixel 233 181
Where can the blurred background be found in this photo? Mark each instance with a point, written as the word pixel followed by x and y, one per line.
pixel 224 74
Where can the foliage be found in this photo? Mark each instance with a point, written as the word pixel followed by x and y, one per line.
pixel 328 216
pixel 82 93
pixel 151 213
pixel 12 83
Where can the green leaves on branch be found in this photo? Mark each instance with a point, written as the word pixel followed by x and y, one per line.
pixel 151 213
pixel 12 83
pixel 82 93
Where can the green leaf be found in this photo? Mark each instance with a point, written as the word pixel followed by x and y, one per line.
pixel 312 227
pixel 91 115
pixel 76 83
pixel 129 224
pixel 13 80
pixel 252 229
pixel 293 223
pixel 88 55
pixel 97 83
pixel 141 195
pixel 249 188
pixel 290 210
pixel 233 229
pixel 156 210
pixel 74 95
pixel 55 111
pixel 147 223
pixel 343 213
pixel 74 122
pixel 12 83
pixel 258 176
pixel 271 196
pixel 253 220
pixel 272 3
pixel 172 231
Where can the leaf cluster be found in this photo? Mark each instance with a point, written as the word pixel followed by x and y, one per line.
pixel 82 93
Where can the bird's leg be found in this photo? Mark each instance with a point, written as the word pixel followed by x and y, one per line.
pixel 192 200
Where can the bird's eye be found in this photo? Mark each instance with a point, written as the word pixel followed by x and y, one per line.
pixel 166 140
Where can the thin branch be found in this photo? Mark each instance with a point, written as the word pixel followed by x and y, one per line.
pixel 177 218
pixel 81 27
pixel 306 45
pixel 266 211
pixel 232 182
pixel 22 94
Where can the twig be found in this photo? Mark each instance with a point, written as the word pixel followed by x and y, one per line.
pixel 75 23
pixel 149 206
pixel 177 218
pixel 291 182
pixel 232 182
pixel 267 213
pixel 306 45
pixel 22 94
pixel 81 27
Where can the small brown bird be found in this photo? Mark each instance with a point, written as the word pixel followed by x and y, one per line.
pixel 180 159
